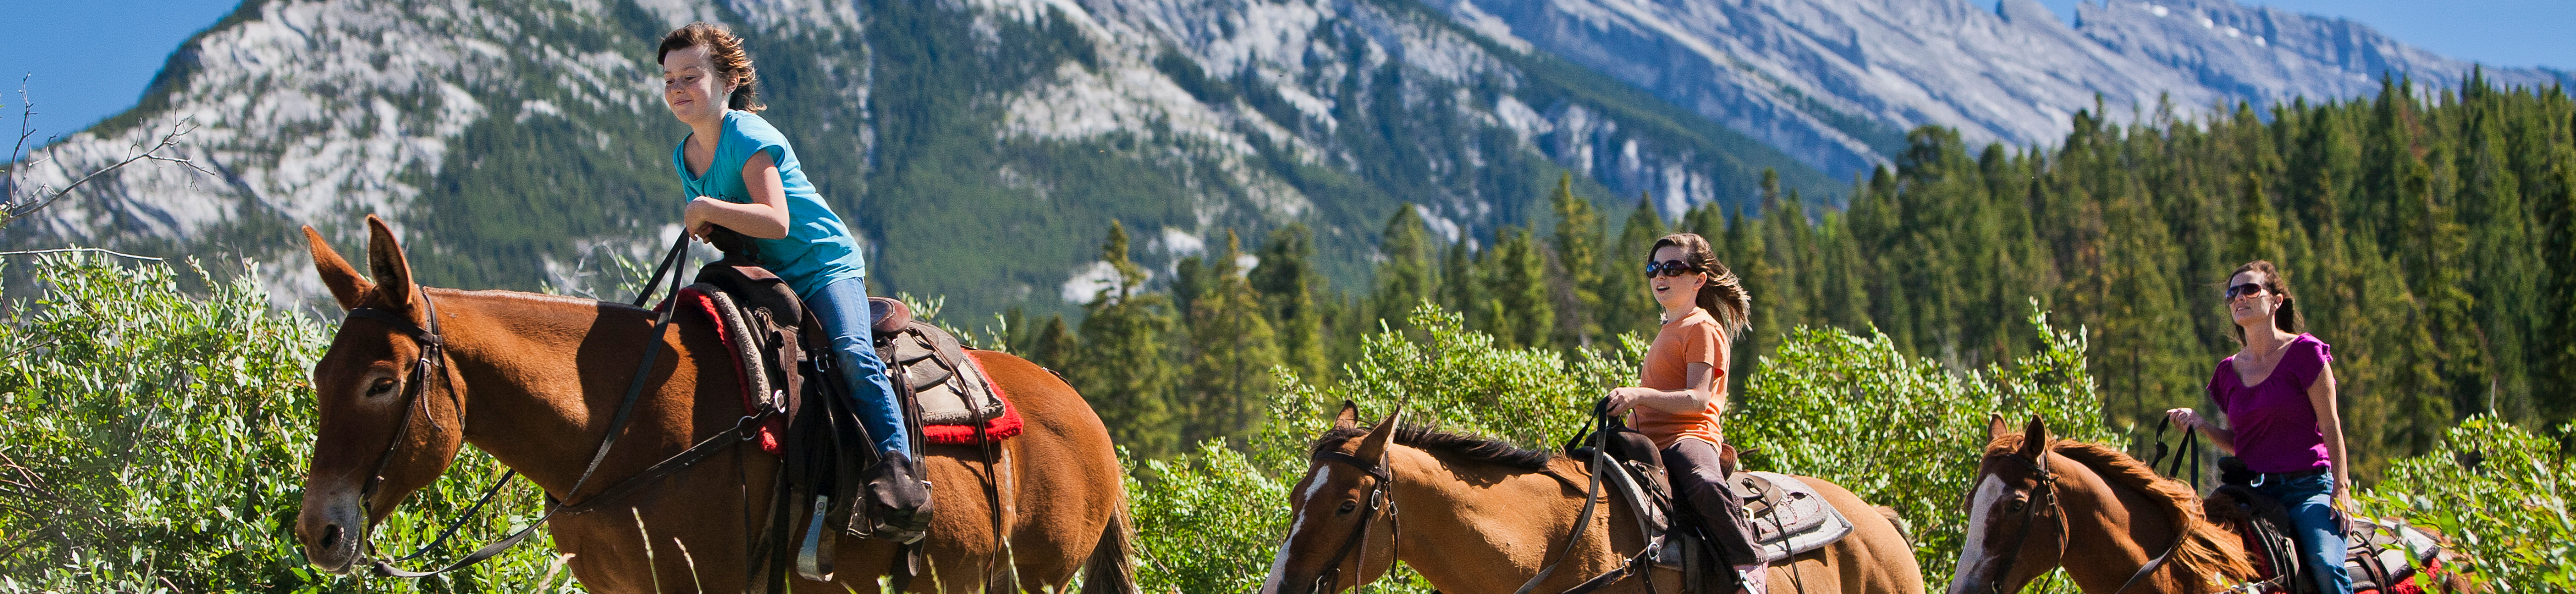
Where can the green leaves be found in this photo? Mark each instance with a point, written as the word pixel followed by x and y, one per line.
pixel 2501 493
pixel 156 440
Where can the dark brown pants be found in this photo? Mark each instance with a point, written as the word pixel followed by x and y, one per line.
pixel 1701 484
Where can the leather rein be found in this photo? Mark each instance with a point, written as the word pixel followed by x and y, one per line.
pixel 433 355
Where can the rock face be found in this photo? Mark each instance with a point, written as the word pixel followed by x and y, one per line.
pixel 1834 82
pixel 981 146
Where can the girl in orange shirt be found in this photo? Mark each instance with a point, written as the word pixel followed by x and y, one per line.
pixel 1681 392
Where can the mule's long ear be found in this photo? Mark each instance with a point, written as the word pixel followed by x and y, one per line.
pixel 1996 428
pixel 1374 446
pixel 392 271
pixel 1350 416
pixel 346 286
pixel 2034 437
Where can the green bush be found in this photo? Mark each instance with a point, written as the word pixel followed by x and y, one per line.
pixel 156 441
pixel 2501 494
pixel 1905 432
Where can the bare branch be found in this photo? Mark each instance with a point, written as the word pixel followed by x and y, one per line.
pixel 17 206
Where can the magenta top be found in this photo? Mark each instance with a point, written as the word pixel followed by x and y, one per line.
pixel 2276 427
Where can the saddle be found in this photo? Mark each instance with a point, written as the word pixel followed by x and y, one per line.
pixel 1788 515
pixel 2381 555
pixel 951 397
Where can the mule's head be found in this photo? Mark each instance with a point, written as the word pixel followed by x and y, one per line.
pixel 2016 530
pixel 1343 531
pixel 378 408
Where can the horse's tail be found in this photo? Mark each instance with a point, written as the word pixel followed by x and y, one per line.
pixel 1112 568
pixel 1903 530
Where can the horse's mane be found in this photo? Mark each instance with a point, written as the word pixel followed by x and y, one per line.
pixel 1472 447
pixel 2205 548
pixel 538 298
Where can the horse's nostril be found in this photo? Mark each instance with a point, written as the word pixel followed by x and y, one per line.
pixel 331 536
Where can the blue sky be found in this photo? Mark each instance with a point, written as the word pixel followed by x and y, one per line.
pixel 90 60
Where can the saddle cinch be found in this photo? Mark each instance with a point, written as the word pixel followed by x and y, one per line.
pixel 2381 555
pixel 783 354
pixel 1789 517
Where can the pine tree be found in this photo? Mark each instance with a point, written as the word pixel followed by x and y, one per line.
pixel 1287 283
pixel 2258 232
pixel 1626 305
pixel 1125 366
pixel 1462 285
pixel 1515 306
pixel 1578 254
pixel 1407 276
pixel 2556 350
pixel 1233 348
pixel 1055 346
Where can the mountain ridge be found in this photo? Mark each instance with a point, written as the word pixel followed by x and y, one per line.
pixel 522 142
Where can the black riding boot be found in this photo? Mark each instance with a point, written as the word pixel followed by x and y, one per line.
pixel 898 501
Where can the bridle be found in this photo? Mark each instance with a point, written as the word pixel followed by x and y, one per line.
pixel 2030 517
pixel 1358 540
pixel 433 354
pixel 2048 485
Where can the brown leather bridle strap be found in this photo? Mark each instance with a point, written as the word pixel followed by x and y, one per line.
pixel 2030 517
pixel 1368 515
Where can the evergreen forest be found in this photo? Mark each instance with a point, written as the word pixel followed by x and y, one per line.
pixel 2424 233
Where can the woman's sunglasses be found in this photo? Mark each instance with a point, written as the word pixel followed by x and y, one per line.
pixel 1669 268
pixel 2243 290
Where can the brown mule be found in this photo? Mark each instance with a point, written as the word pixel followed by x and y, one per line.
pixel 533 379
pixel 1476 516
pixel 2041 503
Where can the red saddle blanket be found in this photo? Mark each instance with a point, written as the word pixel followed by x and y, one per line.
pixel 998 428
pixel 1001 427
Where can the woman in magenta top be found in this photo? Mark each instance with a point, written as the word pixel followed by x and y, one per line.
pixel 2282 419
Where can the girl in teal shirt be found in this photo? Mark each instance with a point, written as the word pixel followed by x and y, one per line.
pixel 741 175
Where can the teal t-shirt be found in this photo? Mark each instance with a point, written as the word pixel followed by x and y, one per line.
pixel 818 249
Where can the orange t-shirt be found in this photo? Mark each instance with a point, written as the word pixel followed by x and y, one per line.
pixel 1693 339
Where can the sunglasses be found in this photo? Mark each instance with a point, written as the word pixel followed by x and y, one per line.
pixel 1670 268
pixel 2243 290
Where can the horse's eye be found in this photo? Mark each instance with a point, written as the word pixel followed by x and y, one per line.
pixel 1348 506
pixel 2015 506
pixel 381 386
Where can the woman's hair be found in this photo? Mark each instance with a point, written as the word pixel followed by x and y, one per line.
pixel 2285 317
pixel 725 50
pixel 1723 296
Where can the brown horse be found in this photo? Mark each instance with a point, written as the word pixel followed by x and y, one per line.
pixel 1475 515
pixel 534 379
pixel 2042 503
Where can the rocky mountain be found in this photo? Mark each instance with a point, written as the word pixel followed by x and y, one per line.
pixel 1835 82
pixel 981 146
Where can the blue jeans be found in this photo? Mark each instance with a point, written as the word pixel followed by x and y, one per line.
pixel 2313 525
pixel 842 306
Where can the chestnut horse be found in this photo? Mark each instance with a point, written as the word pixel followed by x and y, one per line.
pixel 1474 515
pixel 534 379
pixel 2042 503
